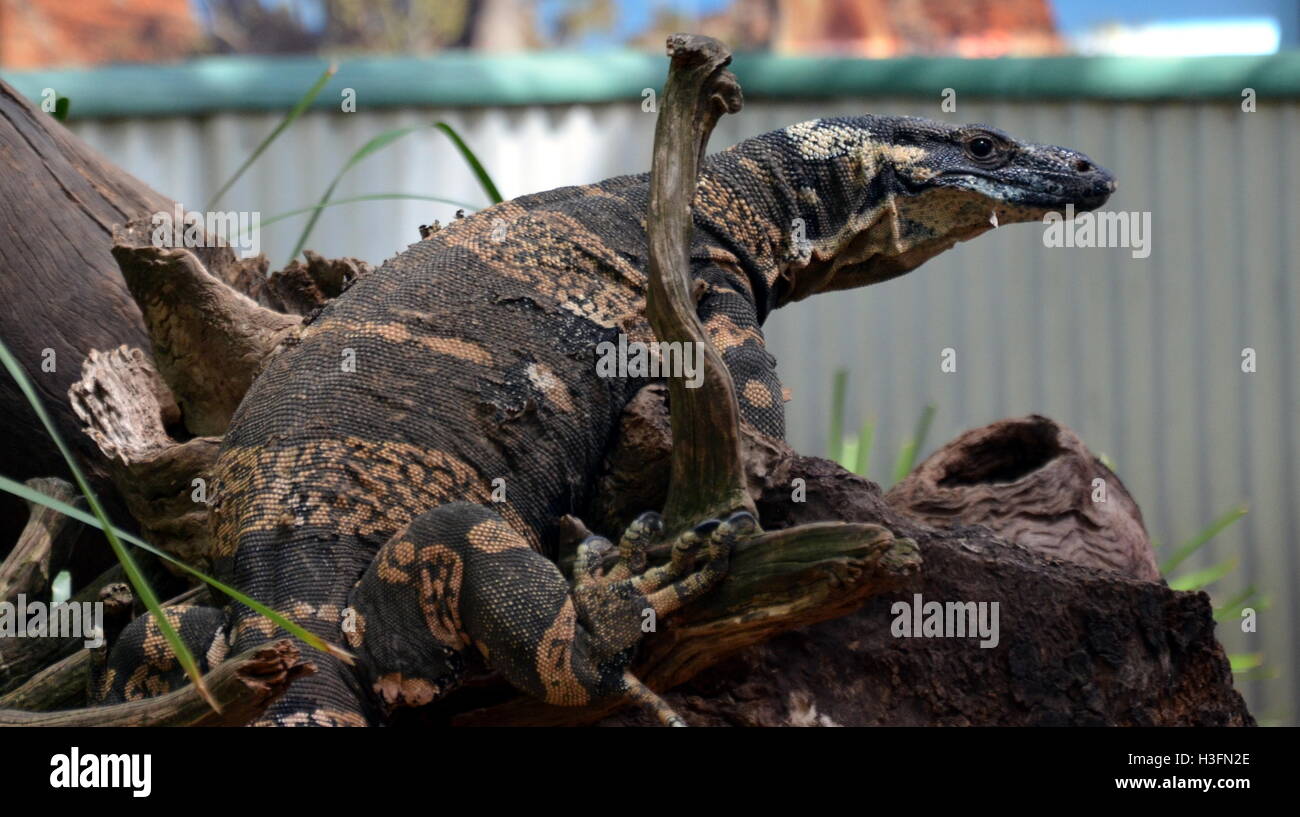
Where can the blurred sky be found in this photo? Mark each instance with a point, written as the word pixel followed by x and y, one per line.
pixel 1076 16
pixel 1232 26
pixel 1239 26
pixel 633 15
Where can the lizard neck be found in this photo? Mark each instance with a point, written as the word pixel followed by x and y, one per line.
pixel 798 227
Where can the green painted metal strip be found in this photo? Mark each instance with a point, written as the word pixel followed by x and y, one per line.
pixel 1137 78
pixel 463 79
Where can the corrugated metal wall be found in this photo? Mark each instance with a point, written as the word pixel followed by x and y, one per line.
pixel 1141 356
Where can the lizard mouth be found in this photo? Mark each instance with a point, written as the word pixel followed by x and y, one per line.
pixel 1038 190
pixel 1084 195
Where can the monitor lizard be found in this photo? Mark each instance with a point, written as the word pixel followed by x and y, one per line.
pixel 393 480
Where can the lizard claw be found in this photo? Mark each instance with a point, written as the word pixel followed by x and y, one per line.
pixel 590 557
pixel 637 538
pixel 613 608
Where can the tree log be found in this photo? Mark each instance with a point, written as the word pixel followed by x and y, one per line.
pixel 61 685
pixel 62 289
pixel 61 294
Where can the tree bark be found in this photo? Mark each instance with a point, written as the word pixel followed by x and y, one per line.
pixel 61 685
pixel 209 340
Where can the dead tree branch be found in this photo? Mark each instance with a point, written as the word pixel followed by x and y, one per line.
pixel 708 478
pixel 243 686
pixel 125 407
pixel 43 546
pixel 209 340
pixel 21 658
pixel 60 685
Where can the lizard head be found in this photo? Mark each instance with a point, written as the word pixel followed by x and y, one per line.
pixel 885 194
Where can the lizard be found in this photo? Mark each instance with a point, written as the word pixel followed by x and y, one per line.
pixel 392 481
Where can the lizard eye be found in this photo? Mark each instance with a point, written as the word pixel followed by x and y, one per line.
pixel 981 147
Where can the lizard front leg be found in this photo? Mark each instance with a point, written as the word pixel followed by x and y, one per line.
pixel 459 578
pixel 731 320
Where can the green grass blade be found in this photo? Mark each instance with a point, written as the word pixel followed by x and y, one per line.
pixel 849 451
pixel 907 452
pixel 129 567
pixel 1242 661
pixel 866 438
pixel 1196 542
pixel 289 118
pixel 480 173
pixel 1262 674
pixel 353 199
pixel 20 490
pixel 1201 579
pixel 1231 609
pixel 368 197
pixel 923 427
pixel 379 142
pixel 838 389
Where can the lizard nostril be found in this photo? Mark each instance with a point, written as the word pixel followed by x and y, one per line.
pixel 1082 165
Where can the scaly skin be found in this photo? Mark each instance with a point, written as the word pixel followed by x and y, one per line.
pixel 355 488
